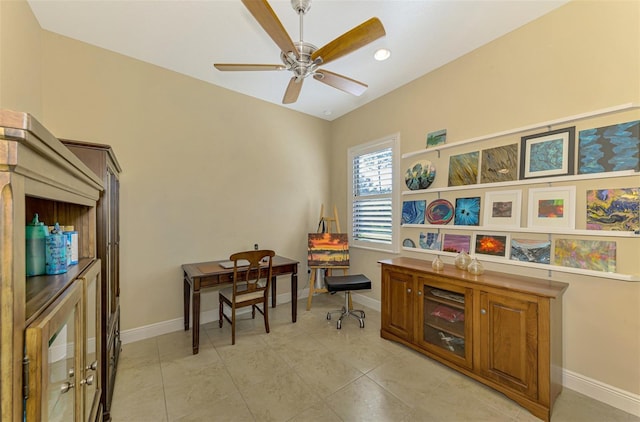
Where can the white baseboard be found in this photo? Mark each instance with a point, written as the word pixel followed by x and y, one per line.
pixel 597 390
pixel 620 399
pixel 177 324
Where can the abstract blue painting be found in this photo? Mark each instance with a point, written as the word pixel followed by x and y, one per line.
pixel 609 148
pixel 413 212
pixel 467 211
pixel 431 241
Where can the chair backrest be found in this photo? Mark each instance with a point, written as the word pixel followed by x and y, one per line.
pixel 254 277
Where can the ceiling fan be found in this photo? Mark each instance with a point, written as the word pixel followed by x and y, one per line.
pixel 304 59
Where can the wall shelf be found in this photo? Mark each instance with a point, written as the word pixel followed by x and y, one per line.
pixel 537 181
pixel 549 267
pixel 540 125
pixel 574 232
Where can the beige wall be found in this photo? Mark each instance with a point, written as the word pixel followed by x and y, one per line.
pixel 20 58
pixel 208 171
pixel 582 57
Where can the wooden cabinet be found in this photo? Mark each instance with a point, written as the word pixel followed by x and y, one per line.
pixel 63 371
pixel 38 174
pixel 502 330
pixel 102 160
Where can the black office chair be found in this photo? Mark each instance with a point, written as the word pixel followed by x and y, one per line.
pixel 347 284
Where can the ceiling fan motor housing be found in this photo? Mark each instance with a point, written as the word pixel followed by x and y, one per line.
pixel 303 66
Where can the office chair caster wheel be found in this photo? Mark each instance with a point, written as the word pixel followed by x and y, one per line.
pixel 328 316
pixel 362 314
pixel 339 324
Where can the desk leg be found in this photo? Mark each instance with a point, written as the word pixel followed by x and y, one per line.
pixel 187 297
pixel 294 296
pixel 273 291
pixel 196 321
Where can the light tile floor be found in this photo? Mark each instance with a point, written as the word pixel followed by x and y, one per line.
pixel 310 371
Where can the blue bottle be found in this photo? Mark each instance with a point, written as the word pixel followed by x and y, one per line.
pixel 56 251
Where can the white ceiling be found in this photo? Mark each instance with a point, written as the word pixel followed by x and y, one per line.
pixel 189 36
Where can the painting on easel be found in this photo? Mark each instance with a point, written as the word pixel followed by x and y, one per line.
pixel 328 250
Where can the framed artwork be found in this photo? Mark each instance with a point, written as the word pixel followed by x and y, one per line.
pixel 439 211
pixel 456 243
pixel 613 209
pixel 499 164
pixel 408 243
pixel 432 241
pixel 597 255
pixel 463 169
pixel 491 244
pixel 552 207
pixel 436 138
pixel 413 212
pixel 502 208
pixel 547 154
pixel 420 175
pixel 328 250
pixel 467 212
pixel 531 250
pixel 609 148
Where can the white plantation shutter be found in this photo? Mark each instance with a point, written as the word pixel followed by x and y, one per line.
pixel 372 194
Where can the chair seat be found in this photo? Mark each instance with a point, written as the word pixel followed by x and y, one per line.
pixel 227 292
pixel 341 283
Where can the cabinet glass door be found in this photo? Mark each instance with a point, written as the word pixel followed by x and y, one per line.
pixel 446 320
pixel 92 341
pixel 53 345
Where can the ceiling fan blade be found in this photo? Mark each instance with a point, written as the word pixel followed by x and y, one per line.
pixel 293 91
pixel 350 41
pixel 241 67
pixel 268 20
pixel 348 85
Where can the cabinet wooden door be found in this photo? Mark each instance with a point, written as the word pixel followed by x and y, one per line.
pixel 445 318
pixel 54 353
pixel 509 342
pixel 398 292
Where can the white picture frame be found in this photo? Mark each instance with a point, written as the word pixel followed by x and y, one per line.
pixel 502 209
pixel 552 208
pixel 492 244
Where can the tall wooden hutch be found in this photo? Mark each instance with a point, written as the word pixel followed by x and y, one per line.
pixel 50 360
pixel 102 160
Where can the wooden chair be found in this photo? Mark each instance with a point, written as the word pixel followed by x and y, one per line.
pixel 251 283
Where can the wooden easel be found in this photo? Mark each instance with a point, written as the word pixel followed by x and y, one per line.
pixel 325 224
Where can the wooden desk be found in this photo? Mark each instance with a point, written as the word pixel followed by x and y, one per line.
pixel 201 275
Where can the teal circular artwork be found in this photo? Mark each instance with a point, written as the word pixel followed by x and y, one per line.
pixel 420 175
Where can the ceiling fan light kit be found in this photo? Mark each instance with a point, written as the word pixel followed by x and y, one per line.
pixel 303 59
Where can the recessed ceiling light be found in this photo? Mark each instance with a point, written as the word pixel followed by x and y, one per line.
pixel 382 54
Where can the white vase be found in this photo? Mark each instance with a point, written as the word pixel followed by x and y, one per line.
pixel 437 263
pixel 462 260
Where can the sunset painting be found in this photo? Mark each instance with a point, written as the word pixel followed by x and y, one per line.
pixel 328 250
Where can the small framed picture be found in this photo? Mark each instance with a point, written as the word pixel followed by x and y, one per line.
pixel 491 244
pixel 547 154
pixel 436 138
pixel 502 208
pixel 552 207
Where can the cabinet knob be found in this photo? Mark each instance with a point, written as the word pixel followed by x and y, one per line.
pixel 419 292
pixel 93 366
pixel 483 311
pixel 66 386
pixel 88 380
pixel 408 290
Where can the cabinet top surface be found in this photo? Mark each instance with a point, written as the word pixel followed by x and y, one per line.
pixel 537 286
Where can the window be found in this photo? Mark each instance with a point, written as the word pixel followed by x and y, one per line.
pixel 372 196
